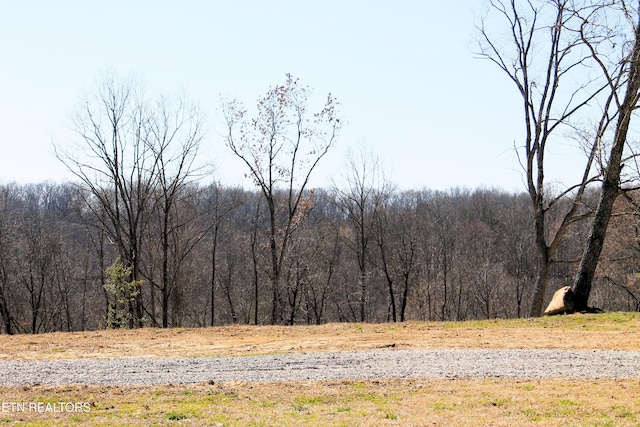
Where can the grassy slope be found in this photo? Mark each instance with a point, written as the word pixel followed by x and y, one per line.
pixel 616 331
pixel 377 402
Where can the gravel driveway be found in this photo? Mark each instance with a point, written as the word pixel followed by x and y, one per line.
pixel 329 366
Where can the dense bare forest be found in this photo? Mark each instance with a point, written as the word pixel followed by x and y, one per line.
pixel 140 239
pixel 428 255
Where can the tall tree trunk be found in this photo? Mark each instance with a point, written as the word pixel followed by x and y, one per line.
pixel 254 258
pixel 275 270
pixel 227 292
pixel 165 268
pixel 388 277
pixel 591 255
pixel 543 267
pixel 363 295
pixel 405 295
pixel 214 247
pixel 4 314
pixel 363 265
pixel 137 305
pixel 610 184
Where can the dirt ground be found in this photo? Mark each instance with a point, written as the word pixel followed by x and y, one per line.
pixel 617 331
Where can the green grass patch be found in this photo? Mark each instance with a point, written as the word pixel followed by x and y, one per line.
pixel 176 416
pixel 598 322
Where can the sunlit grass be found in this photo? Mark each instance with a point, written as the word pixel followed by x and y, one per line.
pixel 615 331
pixel 474 402
pixel 597 322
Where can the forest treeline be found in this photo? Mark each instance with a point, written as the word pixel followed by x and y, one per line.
pixel 376 255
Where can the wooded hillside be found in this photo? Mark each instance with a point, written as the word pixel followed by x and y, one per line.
pixel 424 255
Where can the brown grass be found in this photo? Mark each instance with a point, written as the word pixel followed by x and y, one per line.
pixel 612 331
pixel 416 402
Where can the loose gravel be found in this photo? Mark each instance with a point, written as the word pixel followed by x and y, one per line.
pixel 328 366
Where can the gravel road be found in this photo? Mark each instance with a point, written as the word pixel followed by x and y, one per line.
pixel 328 366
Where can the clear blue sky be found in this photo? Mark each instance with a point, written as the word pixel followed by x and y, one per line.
pixel 405 72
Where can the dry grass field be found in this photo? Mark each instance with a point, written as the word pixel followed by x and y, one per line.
pixel 416 402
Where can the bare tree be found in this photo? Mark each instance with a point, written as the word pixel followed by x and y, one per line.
pixel 113 161
pixel 443 227
pixel 544 56
pixel 220 203
pixel 617 268
pixel 398 249
pixel 517 250
pixel 281 147
pixel 7 264
pixel 174 137
pixel 616 51
pixel 362 202
pixel 322 241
